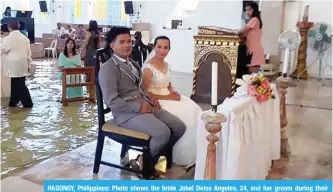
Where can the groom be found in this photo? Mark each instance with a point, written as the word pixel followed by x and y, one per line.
pixel 120 80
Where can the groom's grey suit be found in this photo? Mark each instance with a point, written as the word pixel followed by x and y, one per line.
pixel 120 84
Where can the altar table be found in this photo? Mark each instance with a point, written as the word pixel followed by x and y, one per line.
pixel 248 142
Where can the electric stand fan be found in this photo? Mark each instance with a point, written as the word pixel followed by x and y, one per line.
pixel 288 41
pixel 320 40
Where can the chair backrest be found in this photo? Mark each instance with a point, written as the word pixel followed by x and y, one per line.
pixel 102 55
pixel 54 44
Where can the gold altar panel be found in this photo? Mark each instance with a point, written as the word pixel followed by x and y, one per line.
pixel 220 45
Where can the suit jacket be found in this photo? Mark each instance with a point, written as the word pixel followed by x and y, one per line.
pixel 121 90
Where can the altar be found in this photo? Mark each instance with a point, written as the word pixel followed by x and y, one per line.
pixel 249 139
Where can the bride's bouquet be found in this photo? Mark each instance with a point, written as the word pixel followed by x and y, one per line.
pixel 255 85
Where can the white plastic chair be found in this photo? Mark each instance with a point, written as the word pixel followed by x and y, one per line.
pixel 52 48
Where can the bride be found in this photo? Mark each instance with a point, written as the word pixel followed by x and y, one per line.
pixel 157 83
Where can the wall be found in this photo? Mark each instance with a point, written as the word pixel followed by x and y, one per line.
pixel 271 13
pixel 225 14
pixel 155 13
pixel 320 11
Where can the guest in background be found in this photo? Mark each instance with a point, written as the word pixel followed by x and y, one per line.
pixel 16 48
pixel 23 29
pixel 81 33
pixel 7 12
pixel 4 30
pixel 59 32
pixel 70 32
pixel 140 50
pixel 91 43
pixel 70 59
pixel 253 33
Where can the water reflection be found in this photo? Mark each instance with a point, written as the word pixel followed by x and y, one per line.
pixel 48 129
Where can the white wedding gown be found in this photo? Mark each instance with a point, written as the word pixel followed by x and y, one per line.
pixel 184 151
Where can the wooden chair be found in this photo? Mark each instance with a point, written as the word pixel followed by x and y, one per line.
pixel 127 138
pixel 90 84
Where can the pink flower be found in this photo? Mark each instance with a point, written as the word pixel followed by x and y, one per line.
pixel 251 90
pixel 265 84
pixel 262 98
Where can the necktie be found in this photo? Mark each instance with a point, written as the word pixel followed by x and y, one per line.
pixel 133 69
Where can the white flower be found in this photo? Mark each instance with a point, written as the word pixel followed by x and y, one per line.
pixel 243 83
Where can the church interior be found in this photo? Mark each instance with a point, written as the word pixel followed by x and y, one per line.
pixel 59 137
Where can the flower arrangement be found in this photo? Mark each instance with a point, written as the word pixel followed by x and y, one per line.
pixel 260 88
pixel 256 85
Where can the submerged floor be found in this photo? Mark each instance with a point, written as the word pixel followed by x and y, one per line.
pixel 49 129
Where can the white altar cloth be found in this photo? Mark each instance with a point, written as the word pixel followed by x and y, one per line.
pixel 248 142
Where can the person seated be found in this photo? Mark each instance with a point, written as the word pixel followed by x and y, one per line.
pixel 7 12
pixel 59 32
pixel 131 107
pixel 81 33
pixel 70 59
pixel 70 32
pixel 157 82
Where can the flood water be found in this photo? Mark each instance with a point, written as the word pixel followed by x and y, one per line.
pixel 48 129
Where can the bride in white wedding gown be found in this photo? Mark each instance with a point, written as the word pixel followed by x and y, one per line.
pixel 157 82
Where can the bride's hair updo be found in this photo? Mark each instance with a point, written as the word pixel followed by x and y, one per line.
pixel 161 38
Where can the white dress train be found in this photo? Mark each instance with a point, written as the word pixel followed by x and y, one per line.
pixel 184 151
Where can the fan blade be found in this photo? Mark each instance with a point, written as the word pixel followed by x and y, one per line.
pixel 312 33
pixel 316 45
pixel 322 28
pixel 326 39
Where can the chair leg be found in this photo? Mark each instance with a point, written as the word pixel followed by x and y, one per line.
pixel 147 164
pixel 124 150
pixel 99 151
pixel 169 159
pixel 124 156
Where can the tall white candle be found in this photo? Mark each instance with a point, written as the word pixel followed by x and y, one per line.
pixel 285 62
pixel 214 82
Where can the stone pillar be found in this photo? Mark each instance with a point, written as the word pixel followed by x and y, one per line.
pixel 213 125
pixel 283 85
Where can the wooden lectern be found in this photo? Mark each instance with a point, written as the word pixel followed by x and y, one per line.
pixel 220 45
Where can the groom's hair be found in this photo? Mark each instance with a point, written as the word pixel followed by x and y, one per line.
pixel 161 38
pixel 114 32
